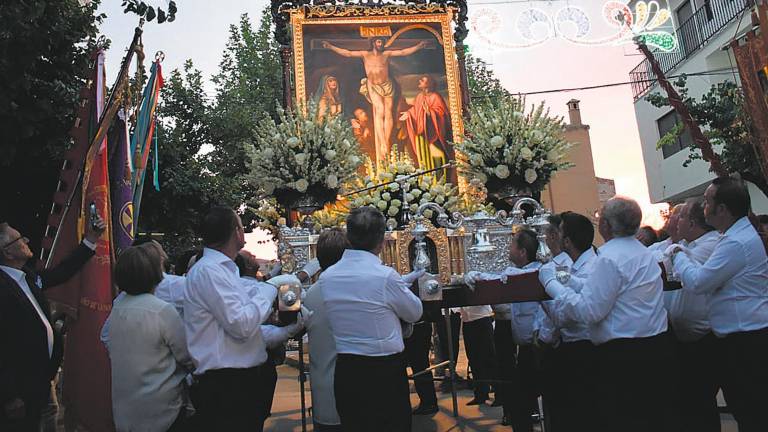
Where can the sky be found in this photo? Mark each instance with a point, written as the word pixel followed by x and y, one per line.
pixel 201 30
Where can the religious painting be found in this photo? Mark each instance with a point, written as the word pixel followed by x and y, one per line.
pixel 393 77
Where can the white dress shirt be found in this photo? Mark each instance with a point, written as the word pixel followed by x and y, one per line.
pixel 20 277
pixel 622 298
pixel 736 278
pixel 563 259
pixel 148 353
pixel 222 322
pixel 322 358
pixel 171 290
pixel 689 312
pixel 524 314
pixel 365 301
pixel 474 313
pixel 574 331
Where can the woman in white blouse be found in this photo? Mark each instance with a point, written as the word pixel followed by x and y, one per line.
pixel 147 347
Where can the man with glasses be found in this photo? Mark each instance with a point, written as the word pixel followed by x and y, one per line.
pixel 31 351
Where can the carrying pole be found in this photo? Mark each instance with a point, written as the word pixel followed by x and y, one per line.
pixel 451 363
pixel 302 380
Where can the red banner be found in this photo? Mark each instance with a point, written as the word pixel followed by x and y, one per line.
pixel 87 375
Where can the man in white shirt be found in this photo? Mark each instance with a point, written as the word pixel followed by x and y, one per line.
pixel 31 351
pixel 223 321
pixel 274 336
pixel 670 227
pixel 478 346
pixel 365 302
pixel 571 402
pixel 519 399
pixel 622 304
pixel 689 319
pixel 735 277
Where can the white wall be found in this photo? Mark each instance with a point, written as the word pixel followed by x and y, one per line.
pixel 668 180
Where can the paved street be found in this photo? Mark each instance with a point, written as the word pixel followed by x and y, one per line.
pixel 286 413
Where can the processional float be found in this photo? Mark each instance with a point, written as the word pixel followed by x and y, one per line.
pixel 327 41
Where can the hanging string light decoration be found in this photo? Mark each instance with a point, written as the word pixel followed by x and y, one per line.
pixel 650 22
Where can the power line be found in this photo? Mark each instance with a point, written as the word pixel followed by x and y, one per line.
pixel 725 71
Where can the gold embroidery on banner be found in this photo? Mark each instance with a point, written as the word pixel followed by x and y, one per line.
pixel 90 304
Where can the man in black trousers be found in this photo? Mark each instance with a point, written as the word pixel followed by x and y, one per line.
pixel 417 352
pixel 31 350
pixel 366 302
pixel 735 277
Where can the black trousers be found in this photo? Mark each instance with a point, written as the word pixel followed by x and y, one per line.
pixel 698 371
pixel 442 335
pixel 526 390
pixel 417 353
pixel 232 399
pixel 745 378
pixel 571 396
pixel 372 393
pixel 636 385
pixel 478 343
pixel 506 357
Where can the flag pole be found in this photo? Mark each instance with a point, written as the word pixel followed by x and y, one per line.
pixel 101 130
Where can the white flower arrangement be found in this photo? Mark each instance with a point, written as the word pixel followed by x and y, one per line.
pixel 298 155
pixel 389 199
pixel 507 147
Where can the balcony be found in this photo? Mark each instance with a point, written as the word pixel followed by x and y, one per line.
pixel 692 35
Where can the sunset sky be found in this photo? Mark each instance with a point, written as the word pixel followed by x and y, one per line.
pixel 201 30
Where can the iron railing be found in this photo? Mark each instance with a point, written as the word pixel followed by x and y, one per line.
pixel 691 35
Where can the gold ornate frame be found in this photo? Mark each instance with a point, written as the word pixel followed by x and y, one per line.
pixel 438 236
pixel 428 13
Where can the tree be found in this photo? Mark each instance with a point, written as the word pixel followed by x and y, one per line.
pixel 149 12
pixel 720 112
pixel 248 87
pixel 187 188
pixel 44 60
pixel 483 83
pixel 203 160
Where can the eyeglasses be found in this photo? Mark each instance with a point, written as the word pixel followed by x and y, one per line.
pixel 26 240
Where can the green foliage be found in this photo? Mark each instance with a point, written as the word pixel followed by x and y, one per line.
pixel 149 12
pixel 44 60
pixel 248 86
pixel 483 83
pixel 204 143
pixel 720 113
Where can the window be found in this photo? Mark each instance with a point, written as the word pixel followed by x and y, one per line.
pixel 666 124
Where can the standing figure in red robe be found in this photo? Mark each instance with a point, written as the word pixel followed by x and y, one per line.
pixel 428 123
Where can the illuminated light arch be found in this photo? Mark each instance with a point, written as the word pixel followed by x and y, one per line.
pixel 644 23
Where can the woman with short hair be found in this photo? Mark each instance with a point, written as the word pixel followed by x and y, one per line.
pixel 147 347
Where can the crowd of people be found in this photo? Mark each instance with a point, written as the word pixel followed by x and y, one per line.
pixel 640 334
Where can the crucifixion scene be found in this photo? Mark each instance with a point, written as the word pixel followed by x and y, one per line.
pixel 388 81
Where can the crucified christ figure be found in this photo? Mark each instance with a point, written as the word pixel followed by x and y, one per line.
pixel 377 87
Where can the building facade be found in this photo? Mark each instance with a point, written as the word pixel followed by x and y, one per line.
pixel 575 189
pixel 606 189
pixel 704 30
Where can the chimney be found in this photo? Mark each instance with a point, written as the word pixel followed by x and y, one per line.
pixel 574 112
